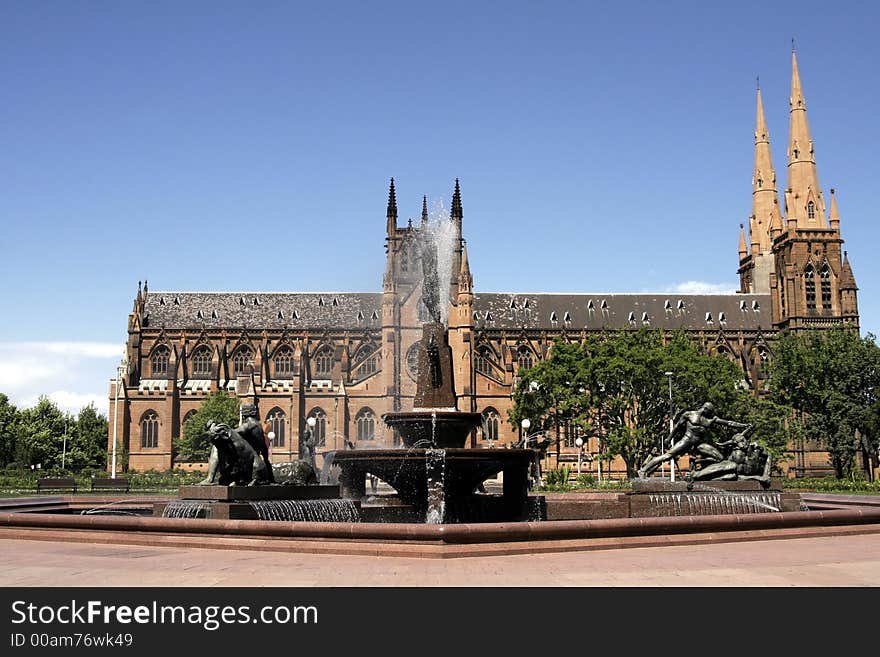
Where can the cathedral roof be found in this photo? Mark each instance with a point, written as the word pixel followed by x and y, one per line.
pixel 617 311
pixel 362 310
pixel 263 310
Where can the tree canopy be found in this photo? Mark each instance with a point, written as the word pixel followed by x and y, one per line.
pixel 36 436
pixel 613 385
pixel 830 378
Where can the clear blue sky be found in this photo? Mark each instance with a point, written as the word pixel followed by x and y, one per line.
pixel 226 146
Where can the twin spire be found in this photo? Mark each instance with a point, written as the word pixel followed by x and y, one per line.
pixel 456 213
pixel 804 203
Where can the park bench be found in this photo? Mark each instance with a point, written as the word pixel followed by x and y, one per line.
pixel 67 484
pixel 120 484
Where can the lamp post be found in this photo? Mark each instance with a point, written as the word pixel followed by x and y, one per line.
pixel 671 413
pixel 115 419
pixel 579 442
pixel 525 424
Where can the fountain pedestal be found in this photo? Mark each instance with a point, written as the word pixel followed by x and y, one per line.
pixel 463 470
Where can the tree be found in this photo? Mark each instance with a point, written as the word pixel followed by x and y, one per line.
pixel 830 378
pixel 40 437
pixel 193 445
pixel 613 385
pixel 87 441
pixel 8 421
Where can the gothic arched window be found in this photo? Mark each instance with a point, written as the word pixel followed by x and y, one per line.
pixel 283 362
pixel 276 420
pixel 811 210
pixel 240 361
pixel 320 429
pixel 490 424
pixel 323 363
pixel 482 361
pixel 150 429
pixel 201 363
pixel 366 425
pixel 762 363
pixel 524 359
pixel 825 286
pixel 368 361
pixel 810 287
pixel 159 361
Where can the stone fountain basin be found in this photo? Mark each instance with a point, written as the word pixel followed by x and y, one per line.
pixel 442 428
pixel 406 471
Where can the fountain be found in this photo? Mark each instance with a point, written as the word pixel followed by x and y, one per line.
pixel 434 473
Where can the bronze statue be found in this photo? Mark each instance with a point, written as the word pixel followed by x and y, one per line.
pixel 745 460
pixel 239 456
pixel 234 461
pixel 693 427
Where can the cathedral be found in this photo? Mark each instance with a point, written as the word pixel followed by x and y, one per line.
pixel 344 359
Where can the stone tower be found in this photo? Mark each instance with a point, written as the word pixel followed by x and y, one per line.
pixel 798 259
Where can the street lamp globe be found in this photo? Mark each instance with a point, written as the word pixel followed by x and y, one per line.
pixel 311 422
pixel 579 442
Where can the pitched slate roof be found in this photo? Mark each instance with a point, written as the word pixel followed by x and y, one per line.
pixel 361 310
pixel 617 311
pixel 259 310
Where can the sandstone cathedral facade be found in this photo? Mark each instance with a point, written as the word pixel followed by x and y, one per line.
pixel 347 358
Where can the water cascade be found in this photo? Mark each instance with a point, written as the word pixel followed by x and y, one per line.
pixel 186 509
pixel 332 510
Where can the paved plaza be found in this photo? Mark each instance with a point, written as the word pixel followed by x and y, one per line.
pixel 824 561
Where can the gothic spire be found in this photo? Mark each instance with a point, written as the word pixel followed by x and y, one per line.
pixel 465 280
pixel 391 213
pixel 834 215
pixel 456 213
pixel 804 205
pixel 743 249
pixel 424 210
pixel 765 197
pixel 847 280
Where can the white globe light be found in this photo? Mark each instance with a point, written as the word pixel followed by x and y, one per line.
pixel 579 442
pixel 526 423
pixel 311 421
pixel 271 435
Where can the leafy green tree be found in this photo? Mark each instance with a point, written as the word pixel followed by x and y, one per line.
pixel 193 445
pixel 830 378
pixel 613 384
pixel 87 439
pixel 8 422
pixel 40 437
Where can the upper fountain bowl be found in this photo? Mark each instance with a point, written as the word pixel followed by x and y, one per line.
pixel 433 428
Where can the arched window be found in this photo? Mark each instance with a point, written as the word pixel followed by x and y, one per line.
pixel 490 424
pixel 323 363
pixel 762 363
pixel 283 362
pixel 811 210
pixel 276 420
pixel 366 425
pixel 482 360
pixel 825 286
pixel 320 428
pixel 189 416
pixel 810 287
pixel 240 361
pixel 524 358
pixel 201 363
pixel 367 360
pixel 149 429
pixel 159 361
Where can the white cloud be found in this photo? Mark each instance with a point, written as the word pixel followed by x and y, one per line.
pixel 72 374
pixel 701 287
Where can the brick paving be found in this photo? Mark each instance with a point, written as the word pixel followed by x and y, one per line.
pixel 823 561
